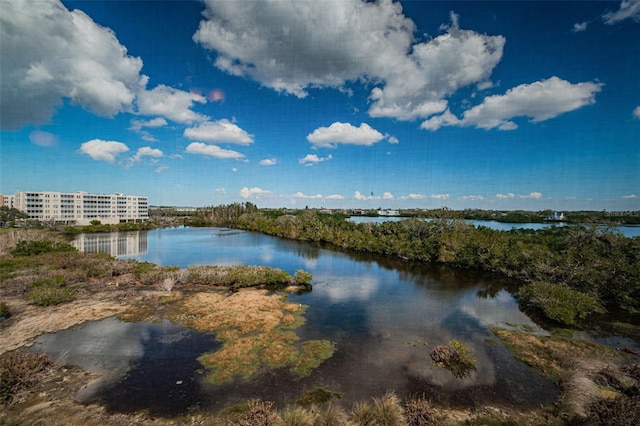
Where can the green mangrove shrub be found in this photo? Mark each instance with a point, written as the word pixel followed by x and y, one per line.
pixel 243 276
pixel 50 291
pixel 34 248
pixel 4 310
pixel 455 357
pixel 558 302
pixel 302 277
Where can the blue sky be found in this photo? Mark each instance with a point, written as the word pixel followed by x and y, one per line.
pixel 465 104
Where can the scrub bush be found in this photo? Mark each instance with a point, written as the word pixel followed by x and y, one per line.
pixel 332 415
pixel 33 248
pixel 20 371
pixel 260 413
pixel 302 277
pixel 420 412
pixel 50 291
pixel 384 411
pixel 456 357
pixel 558 302
pixel 4 310
pixel 296 416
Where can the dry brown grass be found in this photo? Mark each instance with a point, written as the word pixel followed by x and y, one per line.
pixel 20 371
pixel 549 354
pixel 578 366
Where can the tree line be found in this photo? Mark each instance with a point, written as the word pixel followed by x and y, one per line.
pixel 590 260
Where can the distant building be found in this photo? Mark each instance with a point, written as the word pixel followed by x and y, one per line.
pixel 556 216
pixel 6 201
pixel 80 208
pixel 388 213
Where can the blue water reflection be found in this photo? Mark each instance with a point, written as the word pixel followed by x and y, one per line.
pixel 384 315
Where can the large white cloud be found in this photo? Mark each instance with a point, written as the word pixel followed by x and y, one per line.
pixel 99 149
pixel 221 131
pixel 213 151
pixel 171 103
pixel 629 9
pixel 292 46
pixel 344 133
pixel 50 53
pixel 539 101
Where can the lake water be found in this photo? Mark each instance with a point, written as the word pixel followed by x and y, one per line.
pixel 384 315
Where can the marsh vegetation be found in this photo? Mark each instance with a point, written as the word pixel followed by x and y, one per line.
pixel 595 270
pixel 256 326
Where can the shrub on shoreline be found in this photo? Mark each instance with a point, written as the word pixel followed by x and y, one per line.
pixel 33 248
pixel 50 291
pixel 558 302
pixel 243 276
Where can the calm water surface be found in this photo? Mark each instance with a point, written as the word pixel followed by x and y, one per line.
pixel 385 317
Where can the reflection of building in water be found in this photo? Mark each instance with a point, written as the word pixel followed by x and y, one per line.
pixel 114 243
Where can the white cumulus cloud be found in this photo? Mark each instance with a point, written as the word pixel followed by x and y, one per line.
pixel 213 151
pixel 99 149
pixel 302 195
pixel 636 112
pixel 504 196
pixel 471 198
pixel 630 196
pixel 220 131
pixel 171 103
pixel 311 159
pixel 147 151
pixel 50 53
pixel 539 101
pixel 344 133
pixel 137 125
pixel 359 196
pixel 335 197
pixel 579 27
pixel 629 9
pixel 535 195
pixel 253 192
pixel 268 162
pixel 296 46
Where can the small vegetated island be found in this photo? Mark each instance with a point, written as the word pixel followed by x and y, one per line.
pixel 569 276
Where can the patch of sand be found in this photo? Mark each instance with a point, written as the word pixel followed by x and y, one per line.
pixel 29 321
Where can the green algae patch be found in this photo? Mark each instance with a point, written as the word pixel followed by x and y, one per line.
pixel 312 354
pixel 318 396
pixel 256 328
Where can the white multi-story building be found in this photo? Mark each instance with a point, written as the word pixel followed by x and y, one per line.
pixel 81 208
pixel 6 201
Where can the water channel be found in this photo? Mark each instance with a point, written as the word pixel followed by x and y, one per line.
pixel 385 316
